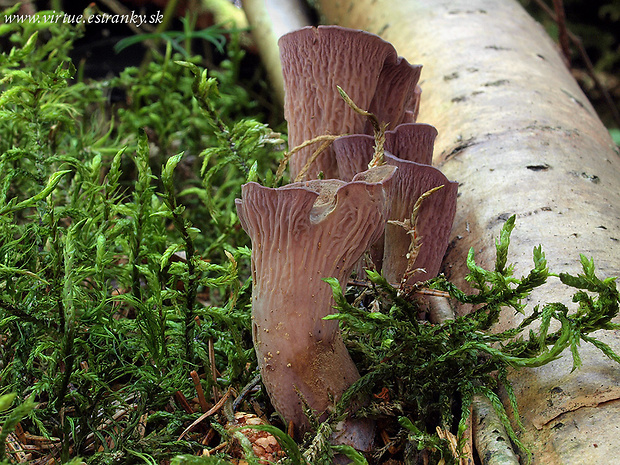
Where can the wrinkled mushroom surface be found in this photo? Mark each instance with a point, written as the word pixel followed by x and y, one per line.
pixel 412 142
pixel 302 233
pixel 410 148
pixel 433 225
pixel 315 61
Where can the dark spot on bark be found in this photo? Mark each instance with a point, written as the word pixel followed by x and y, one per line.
pixel 497 83
pixel 383 29
pixel 542 167
pixel 534 212
pixel 601 227
pixel 573 98
pixel 449 77
pixel 501 218
pixel 468 12
pixel 556 390
pixel 541 56
pixel 588 177
pixel 496 47
pixel 558 426
pixel 462 98
pixel 459 146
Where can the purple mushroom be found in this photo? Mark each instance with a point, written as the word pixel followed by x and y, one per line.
pixel 433 225
pixel 302 233
pixel 412 142
pixel 315 61
pixel 410 148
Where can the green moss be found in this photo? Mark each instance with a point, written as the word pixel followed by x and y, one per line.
pixel 121 261
pixel 432 371
pixel 123 269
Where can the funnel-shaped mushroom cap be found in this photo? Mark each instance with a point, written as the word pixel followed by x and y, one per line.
pixel 302 233
pixel 412 142
pixel 315 61
pixel 434 219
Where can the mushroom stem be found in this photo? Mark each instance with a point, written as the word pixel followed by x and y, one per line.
pixel 302 233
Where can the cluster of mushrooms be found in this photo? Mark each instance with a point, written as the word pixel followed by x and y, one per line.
pixel 316 228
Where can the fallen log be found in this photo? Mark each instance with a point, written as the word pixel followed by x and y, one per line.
pixel 270 20
pixel 521 138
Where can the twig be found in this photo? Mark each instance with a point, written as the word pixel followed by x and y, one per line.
pixel 586 59
pixel 217 448
pixel 183 401
pixel 213 409
pixel 199 392
pixel 16 448
pixel 467 457
pixel 244 392
pixel 485 428
pixel 269 21
pixel 491 438
pixel 141 428
pixel 558 5
pixel 216 394
pixel 437 306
